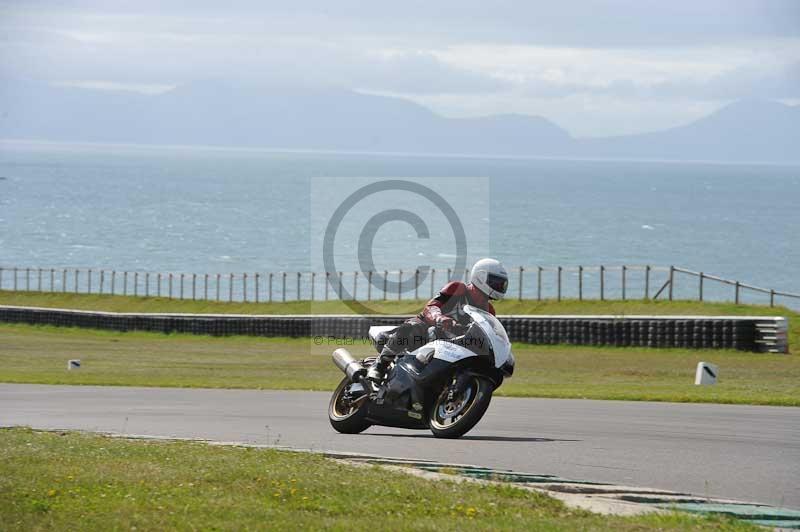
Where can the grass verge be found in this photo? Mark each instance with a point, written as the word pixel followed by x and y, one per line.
pixel 508 306
pixel 61 481
pixel 31 354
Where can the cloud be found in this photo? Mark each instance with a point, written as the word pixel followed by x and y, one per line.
pixel 422 73
pixel 580 23
pixel 468 56
pixel 762 69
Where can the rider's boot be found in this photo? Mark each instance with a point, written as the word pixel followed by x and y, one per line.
pixel 378 369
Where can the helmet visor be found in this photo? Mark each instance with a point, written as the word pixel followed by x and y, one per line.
pixel 497 282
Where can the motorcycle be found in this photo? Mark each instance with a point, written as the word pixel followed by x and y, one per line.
pixel 445 386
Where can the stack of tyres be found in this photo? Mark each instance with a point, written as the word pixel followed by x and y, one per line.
pixel 652 333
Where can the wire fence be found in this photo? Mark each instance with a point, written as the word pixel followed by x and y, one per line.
pixel 537 282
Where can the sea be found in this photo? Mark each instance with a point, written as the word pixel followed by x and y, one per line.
pixel 214 210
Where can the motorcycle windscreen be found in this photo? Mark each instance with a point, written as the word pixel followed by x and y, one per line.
pixel 494 332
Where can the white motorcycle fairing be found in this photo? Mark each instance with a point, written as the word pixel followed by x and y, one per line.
pixel 495 332
pixel 442 350
pixel 450 352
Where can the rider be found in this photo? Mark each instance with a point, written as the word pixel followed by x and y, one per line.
pixel 488 280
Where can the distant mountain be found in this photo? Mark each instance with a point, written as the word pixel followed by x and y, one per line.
pixel 215 113
pixel 747 130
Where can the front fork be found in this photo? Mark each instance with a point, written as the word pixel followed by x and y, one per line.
pixel 457 386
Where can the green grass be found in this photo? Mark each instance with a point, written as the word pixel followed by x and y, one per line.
pixel 31 354
pixel 71 481
pixel 406 306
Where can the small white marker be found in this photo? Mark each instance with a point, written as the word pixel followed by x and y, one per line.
pixel 706 374
pixel 73 364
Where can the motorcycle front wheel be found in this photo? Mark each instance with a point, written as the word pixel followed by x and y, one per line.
pixel 453 415
pixel 347 414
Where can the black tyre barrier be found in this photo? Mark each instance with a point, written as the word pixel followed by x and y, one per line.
pixel 758 334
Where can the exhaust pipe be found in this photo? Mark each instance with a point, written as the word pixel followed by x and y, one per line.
pixel 348 364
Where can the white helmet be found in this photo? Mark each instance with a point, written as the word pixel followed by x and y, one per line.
pixel 490 277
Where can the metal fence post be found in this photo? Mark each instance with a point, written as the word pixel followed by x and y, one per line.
pixel 299 274
pixel 399 285
pixel 169 287
pixel 125 283
pixel 102 280
pixel 340 287
pixel 15 279
pixel 737 292
pixel 416 283
pixel 257 277
pixel 559 283
pixel 433 274
pixel 158 284
pixel 700 295
pixel 602 283
pixel 27 279
pixel 647 282
pixel 181 286
pixel 580 283
pixel 519 288
pixel 89 281
pixel 313 282
pixel 136 283
pixel 64 280
pixel 230 287
pixel 355 285
pixel 539 283
pixel 194 286
pixel 147 284
pixel 52 279
pixel 1 278
pixel 772 298
pixel 385 283
pixel 449 276
pixel 671 280
pixel 219 282
pixel 283 286
pixel 327 284
pixel 39 286
pixel 624 271
pixel 369 285
pixel 205 286
pixel 244 287
pixel 76 280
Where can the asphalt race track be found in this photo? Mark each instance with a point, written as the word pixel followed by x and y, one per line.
pixel 750 453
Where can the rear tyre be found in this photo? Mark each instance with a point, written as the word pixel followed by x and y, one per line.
pixel 452 417
pixel 346 415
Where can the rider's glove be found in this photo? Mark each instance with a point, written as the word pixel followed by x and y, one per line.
pixel 445 323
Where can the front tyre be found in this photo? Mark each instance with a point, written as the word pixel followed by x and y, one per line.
pixel 346 412
pixel 454 414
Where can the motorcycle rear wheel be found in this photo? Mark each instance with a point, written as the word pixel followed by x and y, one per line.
pixel 347 418
pixel 455 417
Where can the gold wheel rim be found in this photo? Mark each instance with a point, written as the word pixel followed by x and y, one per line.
pixel 460 413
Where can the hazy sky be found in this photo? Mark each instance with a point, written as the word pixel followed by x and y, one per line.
pixel 594 67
